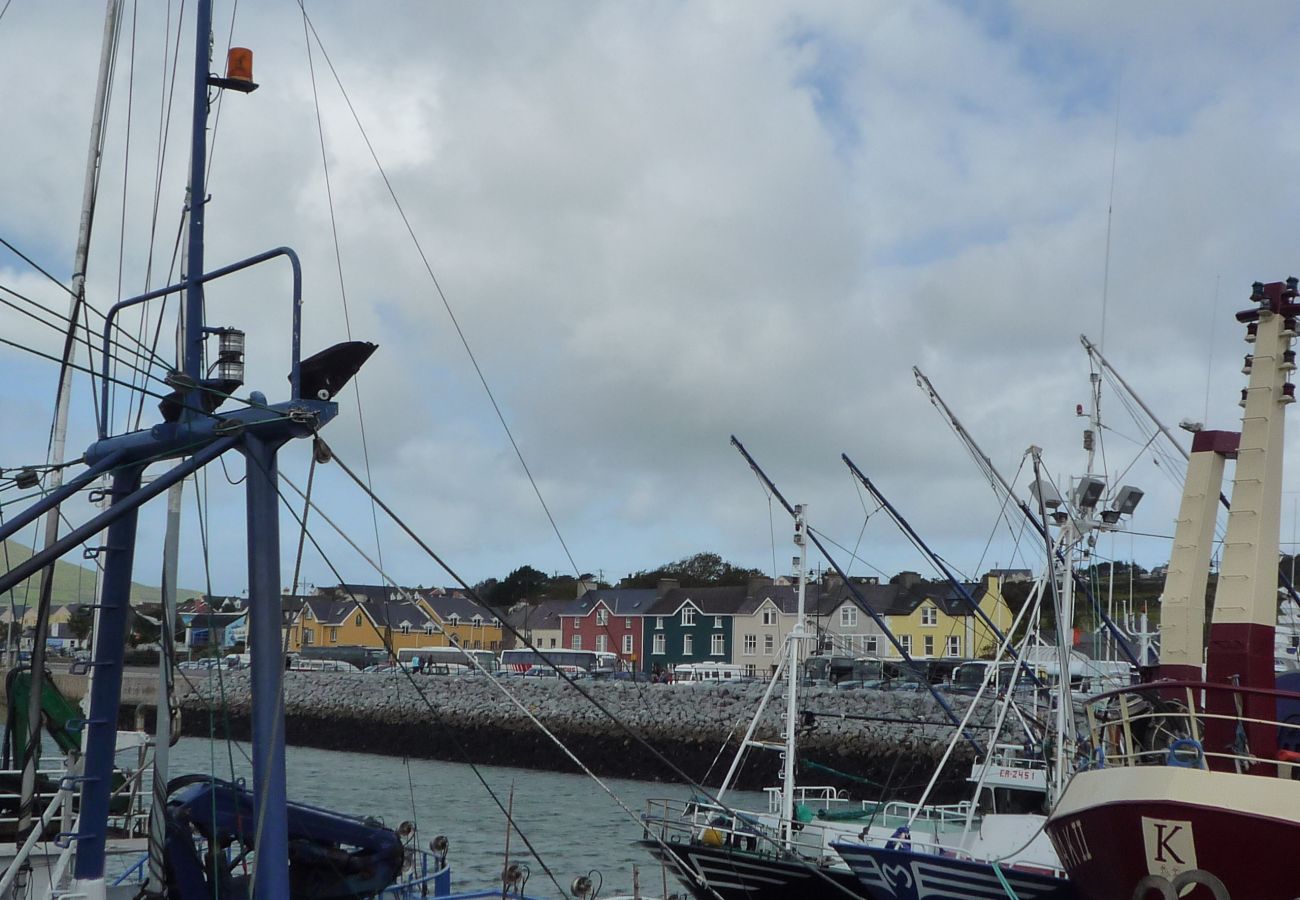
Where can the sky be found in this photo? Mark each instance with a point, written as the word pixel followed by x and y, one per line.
pixel 661 224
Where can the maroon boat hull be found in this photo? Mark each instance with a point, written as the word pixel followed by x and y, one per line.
pixel 1154 847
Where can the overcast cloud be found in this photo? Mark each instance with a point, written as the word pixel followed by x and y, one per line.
pixel 660 224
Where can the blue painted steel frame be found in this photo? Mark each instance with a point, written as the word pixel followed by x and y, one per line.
pixel 270 797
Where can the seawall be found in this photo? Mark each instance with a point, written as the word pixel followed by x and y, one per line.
pixel 892 750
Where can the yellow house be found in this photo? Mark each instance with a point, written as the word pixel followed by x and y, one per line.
pixel 349 620
pixel 472 626
pixel 933 620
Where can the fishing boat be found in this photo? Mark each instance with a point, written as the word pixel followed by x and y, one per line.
pixel 787 849
pixel 206 837
pixel 1190 790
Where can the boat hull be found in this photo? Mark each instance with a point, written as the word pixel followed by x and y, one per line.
pixel 902 874
pixel 1156 831
pixel 735 874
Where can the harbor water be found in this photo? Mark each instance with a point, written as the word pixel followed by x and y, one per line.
pixel 573 825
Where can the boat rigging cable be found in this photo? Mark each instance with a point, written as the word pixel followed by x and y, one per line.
pixel 604 710
pixel 446 303
pixel 386 639
pixel 907 657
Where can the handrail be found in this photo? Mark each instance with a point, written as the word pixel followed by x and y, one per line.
pixel 1196 685
pixel 295 382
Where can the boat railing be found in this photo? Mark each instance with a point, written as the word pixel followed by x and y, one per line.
pixel 1165 723
pixel 692 821
pixel 808 795
pixel 934 817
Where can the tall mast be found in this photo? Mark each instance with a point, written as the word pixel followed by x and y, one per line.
pixel 794 644
pixel 59 433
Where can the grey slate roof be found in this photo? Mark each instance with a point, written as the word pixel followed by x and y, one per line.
pixel 619 601
pixel 711 601
pixel 902 600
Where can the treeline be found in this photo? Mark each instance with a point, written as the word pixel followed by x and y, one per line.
pixel 528 584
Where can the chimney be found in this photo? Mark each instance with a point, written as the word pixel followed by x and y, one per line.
pixel 666 585
pixel 757 583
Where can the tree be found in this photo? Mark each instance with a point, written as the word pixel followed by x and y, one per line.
pixel 524 583
pixel 80 622
pixel 700 570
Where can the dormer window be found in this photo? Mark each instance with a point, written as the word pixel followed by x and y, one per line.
pixel 454 620
pixel 477 621
pixel 428 629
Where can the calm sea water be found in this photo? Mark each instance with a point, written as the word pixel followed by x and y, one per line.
pixel 574 826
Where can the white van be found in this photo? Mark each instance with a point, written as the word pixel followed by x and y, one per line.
pixel 707 673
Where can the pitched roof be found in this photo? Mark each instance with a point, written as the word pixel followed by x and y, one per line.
pixel 545 615
pixel 784 596
pixel 711 601
pixel 327 610
pixel 454 603
pixel 396 613
pixel 619 601
pixel 902 600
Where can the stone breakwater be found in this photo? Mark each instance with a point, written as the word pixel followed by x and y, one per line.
pixel 470 718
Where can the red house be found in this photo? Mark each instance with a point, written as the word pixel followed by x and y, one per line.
pixel 608 620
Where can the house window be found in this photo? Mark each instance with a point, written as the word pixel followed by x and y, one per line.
pixel 717 621
pixel 308 636
pixel 929 615
pixel 602 617
pixel 769 617
pixel 954 645
pixel 660 646
pixel 688 616
pixel 552 642
pixel 750 645
pixel 688 645
pixel 929 645
pixel 627 645
pixel 906 641
pixel 577 642
pixel 751 670
pixel 848 616
pixel 869 644
pixel 428 629
pixel 602 643
pixel 357 620
pixel 659 622
pixel 627 622
pixel 334 635
pixel 769 644
pixel 406 629
pixel 454 620
pixel 477 621
pixel 717 648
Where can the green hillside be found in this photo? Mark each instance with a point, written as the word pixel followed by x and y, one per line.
pixel 72 583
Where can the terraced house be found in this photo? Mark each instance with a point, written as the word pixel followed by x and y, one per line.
pixel 608 620
pixel 458 617
pixel 763 620
pixel 691 625
pixel 362 616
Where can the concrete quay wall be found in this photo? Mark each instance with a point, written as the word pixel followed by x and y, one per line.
pixel 457 719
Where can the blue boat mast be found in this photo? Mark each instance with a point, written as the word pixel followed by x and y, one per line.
pixel 194 436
